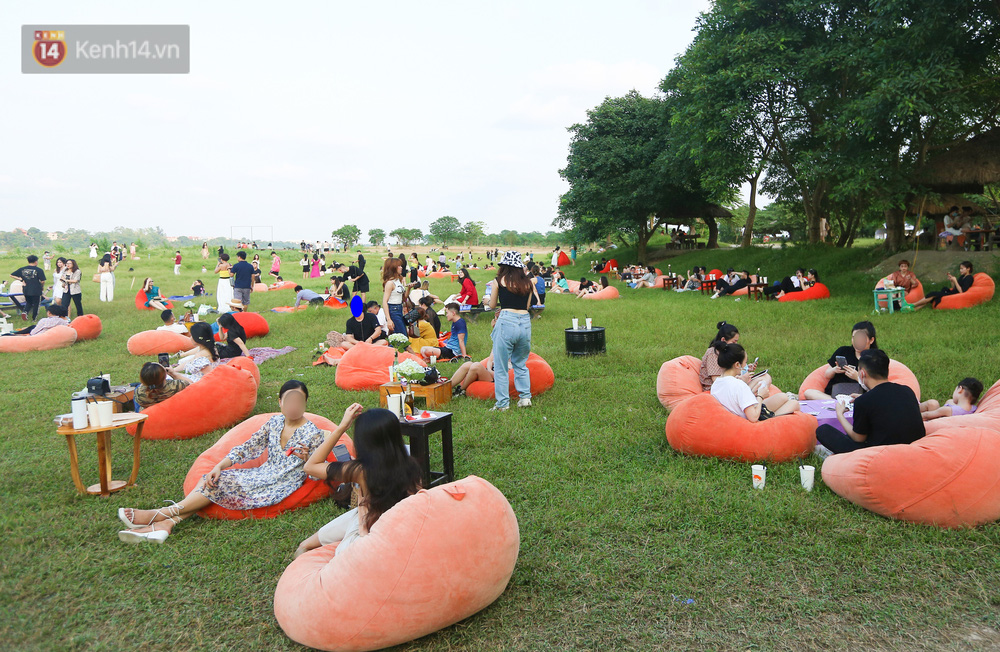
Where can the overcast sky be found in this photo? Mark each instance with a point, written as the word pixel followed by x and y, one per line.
pixel 306 116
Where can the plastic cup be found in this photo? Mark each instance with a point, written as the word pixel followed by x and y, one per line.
pixel 92 415
pixel 759 475
pixel 394 403
pixel 764 281
pixel 576 324
pixel 106 413
pixel 807 475
pixel 590 323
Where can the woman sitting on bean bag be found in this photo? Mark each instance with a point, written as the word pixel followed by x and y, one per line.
pixel 695 277
pixel 384 474
pixel 154 386
pixel 198 361
pixel 737 397
pixel 559 283
pixel 710 369
pixel 469 373
pixel 589 287
pixel 236 338
pixel 55 315
pixel 153 297
pixel 425 332
pixel 842 373
pixel 262 486
pixel 956 286
pixel 788 284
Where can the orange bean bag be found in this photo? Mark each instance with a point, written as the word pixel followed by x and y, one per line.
pixel 563 259
pixel 981 291
pixel 310 491
pixel 421 273
pixel 701 426
pixel 224 396
pixel 434 559
pixel 330 357
pixel 260 287
pixel 252 322
pixel 153 342
pixel 87 327
pixel 55 338
pixel 334 302
pixel 915 294
pixel 613 263
pixel 817 291
pixel 283 285
pixel 987 414
pixel 898 373
pixel 366 366
pixel 574 286
pixel 950 479
pixel 140 302
pixel 610 292
pixel 742 292
pixel 245 363
pixel 542 380
pixel 440 275
pixel 680 378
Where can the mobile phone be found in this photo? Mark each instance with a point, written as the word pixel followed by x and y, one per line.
pixel 341 453
pixel 163 359
pixel 760 373
pixel 841 361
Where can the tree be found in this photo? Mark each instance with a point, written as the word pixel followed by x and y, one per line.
pixel 347 235
pixel 405 237
pixel 376 236
pixel 472 232
pixel 445 230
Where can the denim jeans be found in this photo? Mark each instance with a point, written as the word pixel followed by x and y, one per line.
pixel 511 343
pixel 396 316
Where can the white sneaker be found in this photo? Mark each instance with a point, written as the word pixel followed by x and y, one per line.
pixel 737 299
pixel 498 409
pixel 822 451
pixel 715 296
pixel 524 402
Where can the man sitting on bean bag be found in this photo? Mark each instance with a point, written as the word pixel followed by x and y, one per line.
pixel 887 413
pixel 55 315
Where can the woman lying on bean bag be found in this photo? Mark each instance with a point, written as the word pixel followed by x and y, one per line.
pixel 241 489
pixel 55 315
pixel 154 300
pixel 813 290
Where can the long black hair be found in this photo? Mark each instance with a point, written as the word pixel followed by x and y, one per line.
pixel 390 473
pixel 726 330
pixel 731 354
pixel 201 334
pixel 869 328
pixel 233 327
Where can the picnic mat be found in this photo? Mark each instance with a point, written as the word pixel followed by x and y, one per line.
pixel 262 354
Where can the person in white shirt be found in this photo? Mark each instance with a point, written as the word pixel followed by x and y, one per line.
pixel 169 324
pixel 734 393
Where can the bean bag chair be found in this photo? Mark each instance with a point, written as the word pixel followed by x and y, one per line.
pixel 140 302
pixel 574 286
pixel 310 491
pixel 55 338
pixel 283 285
pixel 252 322
pixel 87 327
pixel 542 380
pixel 366 366
pixel 289 308
pixel 658 272
pixel 915 294
pixel 717 273
pixel 563 259
pixel 898 373
pixel 701 426
pixel 987 414
pixel 949 479
pixel 610 292
pixel 433 560
pixel 246 364
pixel 440 275
pixel 224 396
pixel 330 357
pixel 260 287
pixel 613 263
pixel 981 291
pixel 817 291
pixel 679 379
pixel 334 302
pixel 421 273
pixel 742 292
pixel 153 342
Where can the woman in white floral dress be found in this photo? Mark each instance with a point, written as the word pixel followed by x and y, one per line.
pixel 201 359
pixel 262 486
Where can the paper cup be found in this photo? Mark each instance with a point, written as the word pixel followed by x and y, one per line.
pixel 92 415
pixel 764 281
pixel 590 323
pixel 576 324
pixel 759 475
pixel 807 475
pixel 394 403
pixel 106 413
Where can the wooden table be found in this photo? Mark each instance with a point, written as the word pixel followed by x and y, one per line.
pixel 756 290
pixel 106 486
pixel 669 282
pixel 708 285
pixel 436 395
pixel 417 433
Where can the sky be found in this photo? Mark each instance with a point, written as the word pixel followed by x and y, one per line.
pixel 305 116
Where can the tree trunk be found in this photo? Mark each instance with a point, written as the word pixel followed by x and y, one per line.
pixel 895 229
pixel 713 233
pixel 748 228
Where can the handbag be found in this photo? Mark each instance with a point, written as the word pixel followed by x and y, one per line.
pixel 98 386
pixel 97 278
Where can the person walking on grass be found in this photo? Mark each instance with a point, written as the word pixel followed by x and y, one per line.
pixel 515 294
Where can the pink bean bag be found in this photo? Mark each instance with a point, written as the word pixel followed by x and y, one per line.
pixel 140 302
pixel 434 559
pixel 282 285
pixel 981 291
pixel 948 479
pixel 87 327
pixel 260 287
pixel 366 366
pixel 252 322
pixel 701 426
pixel 987 414
pixel 542 380
pixel 153 342
pixel 224 396
pixel 574 286
pixel 898 373
pixel 55 338
pixel 742 292
pixel 311 490
pixel 817 291
pixel 915 294
pixel 610 292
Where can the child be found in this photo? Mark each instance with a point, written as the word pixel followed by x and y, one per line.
pixel 962 401
pixel 454 348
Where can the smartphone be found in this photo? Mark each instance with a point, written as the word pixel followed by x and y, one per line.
pixel 341 453
pixel 760 373
pixel 163 359
pixel 841 361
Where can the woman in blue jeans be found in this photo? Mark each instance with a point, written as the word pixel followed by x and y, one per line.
pixel 515 293
pixel 393 294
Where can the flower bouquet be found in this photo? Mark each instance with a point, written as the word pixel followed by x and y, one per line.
pixel 399 341
pixel 189 305
pixel 410 371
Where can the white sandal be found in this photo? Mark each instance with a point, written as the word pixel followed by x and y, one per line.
pixel 132 524
pixel 156 536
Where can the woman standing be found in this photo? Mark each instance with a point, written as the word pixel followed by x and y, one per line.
pixel 70 282
pixel 131 250
pixel 275 265
pixel 414 268
pixel 106 269
pixel 224 290
pixel 512 333
pixel 204 250
pixel 93 250
pixel 393 294
pixel 314 272
pixel 57 285
pixel 304 263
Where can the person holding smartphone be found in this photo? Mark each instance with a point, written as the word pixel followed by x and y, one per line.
pixel 842 373
pixel 154 384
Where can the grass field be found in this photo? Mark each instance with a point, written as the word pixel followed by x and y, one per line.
pixel 625 544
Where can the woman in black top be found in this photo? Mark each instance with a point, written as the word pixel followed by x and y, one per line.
pixel 236 338
pixel 511 335
pixel 843 379
pixel 958 286
pixel 414 268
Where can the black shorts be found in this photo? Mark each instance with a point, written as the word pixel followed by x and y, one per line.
pixel 361 285
pixel 305 269
pixel 446 353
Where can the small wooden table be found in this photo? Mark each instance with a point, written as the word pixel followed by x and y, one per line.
pixel 436 395
pixel 106 486
pixel 708 285
pixel 756 290
pixel 669 282
pixel 417 432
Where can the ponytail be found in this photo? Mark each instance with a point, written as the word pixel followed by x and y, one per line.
pixel 730 354
pixel 726 331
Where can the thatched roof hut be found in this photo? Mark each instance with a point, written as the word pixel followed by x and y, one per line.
pixel 963 168
pixel 933 205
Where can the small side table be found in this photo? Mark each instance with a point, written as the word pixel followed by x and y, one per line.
pixel 890 296
pixel 585 341
pixel 106 486
pixel 669 282
pixel 756 290
pixel 417 432
pixel 708 285
pixel 436 395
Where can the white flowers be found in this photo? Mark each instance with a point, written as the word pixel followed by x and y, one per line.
pixel 399 341
pixel 410 370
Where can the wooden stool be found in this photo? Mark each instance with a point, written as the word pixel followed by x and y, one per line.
pixel 436 395
pixel 106 486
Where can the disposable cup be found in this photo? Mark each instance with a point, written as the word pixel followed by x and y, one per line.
pixel 759 475
pixel 92 415
pixel 105 413
pixel 576 324
pixel 807 475
pixel 590 323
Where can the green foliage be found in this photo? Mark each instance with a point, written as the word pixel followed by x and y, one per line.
pixel 406 236
pixel 444 230
pixel 376 236
pixel 347 235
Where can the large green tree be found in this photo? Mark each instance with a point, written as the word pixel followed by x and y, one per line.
pixel 444 230
pixel 376 236
pixel 405 237
pixel 347 235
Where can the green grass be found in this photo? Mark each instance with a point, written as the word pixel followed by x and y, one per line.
pixel 617 530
